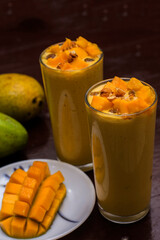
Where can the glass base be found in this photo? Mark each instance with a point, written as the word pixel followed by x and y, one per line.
pixel 85 168
pixel 123 219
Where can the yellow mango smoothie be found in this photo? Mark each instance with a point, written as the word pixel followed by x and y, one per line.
pixel 121 116
pixel 68 70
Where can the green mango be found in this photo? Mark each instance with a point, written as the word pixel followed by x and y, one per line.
pixel 13 136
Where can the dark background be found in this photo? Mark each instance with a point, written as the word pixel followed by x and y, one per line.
pixel 128 32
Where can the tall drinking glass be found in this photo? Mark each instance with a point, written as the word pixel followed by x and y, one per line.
pixel 65 91
pixel 122 151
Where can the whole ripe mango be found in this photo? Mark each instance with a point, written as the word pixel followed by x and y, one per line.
pixel 13 136
pixel 21 96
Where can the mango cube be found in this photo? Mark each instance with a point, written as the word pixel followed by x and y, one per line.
pixel 45 198
pixel 13 188
pixel 18 176
pixel 93 50
pixel 31 229
pixel 134 84
pixel 27 195
pixel 35 173
pixel 30 183
pixel 9 198
pixel 47 221
pixel 18 227
pixel 54 208
pixel 6 225
pixel 6 210
pixel 101 103
pixel 37 213
pixel 61 192
pixel 52 183
pixel 78 63
pixel 119 83
pixel 137 105
pixel 58 176
pixel 82 42
pixel 41 230
pixel 120 105
pixel 44 168
pixel 146 94
pixel 21 208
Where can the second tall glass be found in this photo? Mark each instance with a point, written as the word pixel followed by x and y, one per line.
pixel 122 150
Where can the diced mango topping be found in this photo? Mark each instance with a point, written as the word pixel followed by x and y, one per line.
pixel 72 55
pixel 31 201
pixel 122 97
pixel 101 103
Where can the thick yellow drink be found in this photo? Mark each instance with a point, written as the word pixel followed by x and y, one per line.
pixel 122 142
pixel 66 77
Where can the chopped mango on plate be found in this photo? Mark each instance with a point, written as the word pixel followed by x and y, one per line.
pixel 31 201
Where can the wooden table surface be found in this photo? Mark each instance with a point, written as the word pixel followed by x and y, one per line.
pixel 128 32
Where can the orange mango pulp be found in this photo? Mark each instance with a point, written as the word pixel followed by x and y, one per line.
pixel 29 206
pixel 123 97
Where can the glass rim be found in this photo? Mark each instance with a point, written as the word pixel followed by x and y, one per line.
pixel 69 70
pixel 124 114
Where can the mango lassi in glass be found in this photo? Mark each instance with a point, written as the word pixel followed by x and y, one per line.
pixel 68 70
pixel 121 114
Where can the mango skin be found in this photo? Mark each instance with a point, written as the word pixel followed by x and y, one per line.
pixel 13 136
pixel 21 96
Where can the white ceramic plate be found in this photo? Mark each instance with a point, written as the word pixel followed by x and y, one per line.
pixel 77 205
